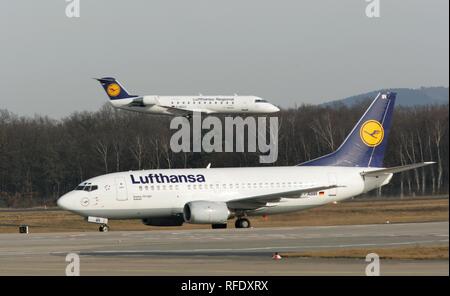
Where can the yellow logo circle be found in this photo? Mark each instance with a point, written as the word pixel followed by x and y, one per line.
pixel 371 133
pixel 113 89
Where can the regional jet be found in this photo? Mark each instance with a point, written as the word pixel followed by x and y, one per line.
pixel 184 105
pixel 171 197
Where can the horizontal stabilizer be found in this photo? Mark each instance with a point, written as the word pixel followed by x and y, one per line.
pixel 396 169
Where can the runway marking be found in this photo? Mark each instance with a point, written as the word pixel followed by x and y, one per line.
pixel 251 249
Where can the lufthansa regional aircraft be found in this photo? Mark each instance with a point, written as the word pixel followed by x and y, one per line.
pixel 171 197
pixel 184 105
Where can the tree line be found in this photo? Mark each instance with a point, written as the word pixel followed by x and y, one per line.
pixel 42 158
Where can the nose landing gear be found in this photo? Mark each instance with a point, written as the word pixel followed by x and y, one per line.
pixel 242 223
pixel 103 228
pixel 99 220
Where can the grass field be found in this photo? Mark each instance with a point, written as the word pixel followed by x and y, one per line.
pixel 351 212
pixel 438 252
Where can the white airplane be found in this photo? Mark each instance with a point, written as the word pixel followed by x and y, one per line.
pixel 184 105
pixel 171 197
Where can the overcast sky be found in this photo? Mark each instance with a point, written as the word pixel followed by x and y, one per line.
pixel 285 51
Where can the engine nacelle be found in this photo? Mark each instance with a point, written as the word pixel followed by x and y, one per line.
pixel 206 212
pixel 164 221
pixel 150 100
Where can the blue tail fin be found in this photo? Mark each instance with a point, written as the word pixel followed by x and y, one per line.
pixel 366 144
pixel 114 89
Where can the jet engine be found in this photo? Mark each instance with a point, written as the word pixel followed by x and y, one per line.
pixel 206 212
pixel 150 100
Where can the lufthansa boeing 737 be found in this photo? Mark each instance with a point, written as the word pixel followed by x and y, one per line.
pixel 184 105
pixel 171 197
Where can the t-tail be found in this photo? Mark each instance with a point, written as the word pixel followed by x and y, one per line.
pixel 114 88
pixel 366 144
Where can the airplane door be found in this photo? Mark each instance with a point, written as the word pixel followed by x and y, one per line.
pixel 121 189
pixel 244 104
pixel 332 181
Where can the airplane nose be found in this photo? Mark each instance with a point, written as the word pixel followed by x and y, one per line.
pixel 274 109
pixel 65 201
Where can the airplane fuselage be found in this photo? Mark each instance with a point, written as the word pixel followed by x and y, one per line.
pixel 163 193
pixel 174 105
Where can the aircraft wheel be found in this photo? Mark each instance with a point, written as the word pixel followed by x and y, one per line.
pixel 103 228
pixel 242 223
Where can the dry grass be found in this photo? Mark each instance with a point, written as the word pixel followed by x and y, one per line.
pixel 353 212
pixel 411 252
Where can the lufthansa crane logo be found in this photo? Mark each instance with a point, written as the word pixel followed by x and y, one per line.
pixel 113 89
pixel 371 133
pixel 85 202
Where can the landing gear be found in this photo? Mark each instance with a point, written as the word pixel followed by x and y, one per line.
pixel 242 223
pixel 218 226
pixel 99 220
pixel 103 228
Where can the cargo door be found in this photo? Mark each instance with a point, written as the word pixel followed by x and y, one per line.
pixel 332 180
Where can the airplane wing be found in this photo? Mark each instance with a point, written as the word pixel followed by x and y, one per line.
pixel 257 201
pixel 396 169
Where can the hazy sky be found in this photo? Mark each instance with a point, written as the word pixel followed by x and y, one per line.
pixel 285 51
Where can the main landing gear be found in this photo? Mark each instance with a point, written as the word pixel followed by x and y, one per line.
pixel 242 223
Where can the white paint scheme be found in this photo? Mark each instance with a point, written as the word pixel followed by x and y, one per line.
pixel 183 105
pixel 221 185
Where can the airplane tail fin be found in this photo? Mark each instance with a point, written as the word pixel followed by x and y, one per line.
pixel 366 144
pixel 114 88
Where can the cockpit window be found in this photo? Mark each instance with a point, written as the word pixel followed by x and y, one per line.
pixel 260 101
pixel 86 187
